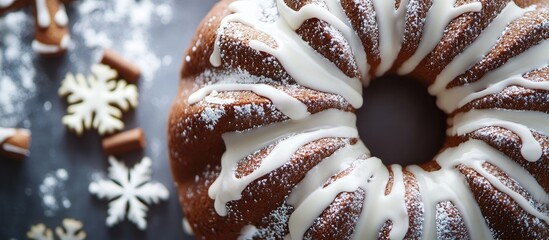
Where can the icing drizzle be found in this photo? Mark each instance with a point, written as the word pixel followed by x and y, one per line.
pixel 61 18
pixel 310 197
pixel 438 17
pixel 44 18
pixel 42 14
pixel 43 48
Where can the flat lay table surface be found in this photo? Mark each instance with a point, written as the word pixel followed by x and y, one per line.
pixel 52 184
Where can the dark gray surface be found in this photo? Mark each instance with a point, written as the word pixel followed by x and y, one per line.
pixel 396 112
pixel 54 147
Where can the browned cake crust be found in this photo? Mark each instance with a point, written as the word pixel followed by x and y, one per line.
pixel 196 144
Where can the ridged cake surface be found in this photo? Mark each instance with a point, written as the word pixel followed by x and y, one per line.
pixel 263 140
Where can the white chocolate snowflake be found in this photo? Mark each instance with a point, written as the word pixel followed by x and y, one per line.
pixel 40 232
pixel 129 188
pixel 97 101
pixel 71 230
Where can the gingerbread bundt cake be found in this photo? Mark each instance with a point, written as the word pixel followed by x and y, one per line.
pixel 263 139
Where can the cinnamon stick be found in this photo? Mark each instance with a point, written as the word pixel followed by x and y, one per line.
pixel 14 143
pixel 127 70
pixel 124 142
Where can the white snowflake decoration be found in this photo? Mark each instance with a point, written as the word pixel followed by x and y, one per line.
pixel 40 232
pixel 129 188
pixel 72 230
pixel 97 102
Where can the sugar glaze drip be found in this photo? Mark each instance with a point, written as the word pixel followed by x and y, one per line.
pixel 310 197
pixel 43 15
pixel 330 123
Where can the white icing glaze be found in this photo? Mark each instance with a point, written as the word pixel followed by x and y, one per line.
pixel 310 197
pixel 330 123
pixel 311 70
pixel 288 105
pixel 533 58
pixel 43 48
pixel 516 80
pixel 478 49
pixel 296 19
pixel 448 184
pixel 391 31
pixel 6 3
pixel 42 14
pixel 213 98
pixel 352 37
pixel 438 17
pixel 523 202
pixel 61 18
pixel 313 205
pixel 328 167
pixel 475 119
pixel 475 152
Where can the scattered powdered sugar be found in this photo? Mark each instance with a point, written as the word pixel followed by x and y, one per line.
pixel 164 11
pixel 125 26
pixel 237 76
pixel 17 74
pixel 9 92
pixel 277 225
pixel 449 221
pixel 52 192
pixel 211 116
pixel 137 49
pixel 47 106
pixel 93 38
pixel 269 11
pixel 249 109
pixel 167 60
pixel 215 99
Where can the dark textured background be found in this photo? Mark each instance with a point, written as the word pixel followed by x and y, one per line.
pixel 54 147
pixel 398 112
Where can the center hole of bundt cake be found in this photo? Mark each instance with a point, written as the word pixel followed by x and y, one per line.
pixel 400 122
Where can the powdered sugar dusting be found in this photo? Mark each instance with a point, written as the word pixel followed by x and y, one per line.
pixel 52 191
pixel 17 72
pixel 211 116
pixel 129 24
pixel 236 76
pixel 449 223
pixel 277 225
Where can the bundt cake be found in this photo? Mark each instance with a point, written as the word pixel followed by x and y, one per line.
pixel 262 134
